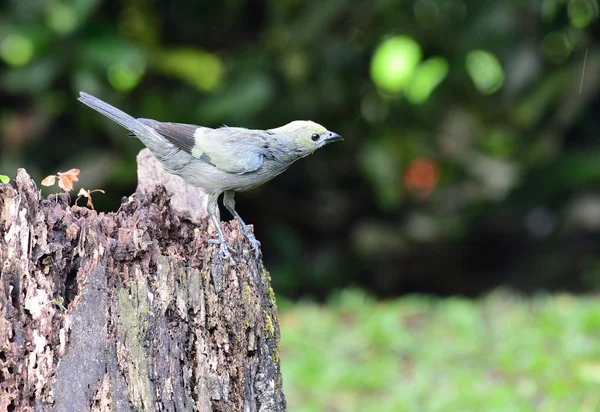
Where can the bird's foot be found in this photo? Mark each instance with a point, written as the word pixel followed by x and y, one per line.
pixel 253 241
pixel 224 248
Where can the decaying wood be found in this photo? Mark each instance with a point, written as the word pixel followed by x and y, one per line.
pixel 130 310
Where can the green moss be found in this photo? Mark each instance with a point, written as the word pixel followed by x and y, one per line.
pixel 58 304
pixel 275 356
pixel 183 275
pixel 247 293
pixel 266 278
pixel 132 311
pixel 269 328
pixel 271 294
pixel 246 324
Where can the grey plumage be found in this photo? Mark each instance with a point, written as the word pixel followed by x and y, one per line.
pixel 224 160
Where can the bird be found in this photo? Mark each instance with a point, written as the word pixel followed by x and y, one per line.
pixel 222 160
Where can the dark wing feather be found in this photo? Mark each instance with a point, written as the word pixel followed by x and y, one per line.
pixel 180 134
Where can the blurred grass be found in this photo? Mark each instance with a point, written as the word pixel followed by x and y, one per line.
pixel 500 353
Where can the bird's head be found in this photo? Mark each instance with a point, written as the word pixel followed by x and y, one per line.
pixel 305 136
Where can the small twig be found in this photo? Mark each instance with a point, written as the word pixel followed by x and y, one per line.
pixel 583 71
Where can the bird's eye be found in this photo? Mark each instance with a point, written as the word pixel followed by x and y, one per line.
pixel 315 137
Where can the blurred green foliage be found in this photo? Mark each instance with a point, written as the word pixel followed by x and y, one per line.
pixel 500 353
pixel 471 144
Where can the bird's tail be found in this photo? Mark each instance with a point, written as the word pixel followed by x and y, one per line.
pixel 172 158
pixel 111 112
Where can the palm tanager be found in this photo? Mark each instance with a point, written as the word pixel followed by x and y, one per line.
pixel 223 160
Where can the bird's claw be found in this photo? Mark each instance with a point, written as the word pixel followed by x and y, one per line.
pixel 254 243
pixel 224 249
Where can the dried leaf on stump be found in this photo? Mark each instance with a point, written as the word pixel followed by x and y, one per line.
pixel 88 195
pixel 66 179
pixel 49 180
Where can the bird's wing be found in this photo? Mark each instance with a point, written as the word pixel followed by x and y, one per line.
pixel 231 149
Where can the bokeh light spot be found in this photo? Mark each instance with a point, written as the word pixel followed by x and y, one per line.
pixel 125 74
pixel 582 12
pixel 199 68
pixel 548 10
pixel 61 18
pixel 427 13
pixel 426 78
pixel 485 71
pixel 295 65
pixel 16 49
pixel 421 177
pixel 394 63
pixel 556 47
pixel 381 164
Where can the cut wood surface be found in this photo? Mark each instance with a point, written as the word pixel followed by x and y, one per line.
pixel 131 310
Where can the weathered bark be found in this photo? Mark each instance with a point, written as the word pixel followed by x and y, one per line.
pixel 130 310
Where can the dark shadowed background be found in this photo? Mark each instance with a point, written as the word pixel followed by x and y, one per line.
pixel 471 156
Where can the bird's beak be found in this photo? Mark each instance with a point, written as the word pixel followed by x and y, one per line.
pixel 331 137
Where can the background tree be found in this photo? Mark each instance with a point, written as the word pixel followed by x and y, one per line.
pixel 470 156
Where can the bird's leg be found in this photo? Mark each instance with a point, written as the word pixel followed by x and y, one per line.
pixel 221 241
pixel 229 203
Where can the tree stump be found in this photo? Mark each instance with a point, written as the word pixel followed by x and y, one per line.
pixel 131 310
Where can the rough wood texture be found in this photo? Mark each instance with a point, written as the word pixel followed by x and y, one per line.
pixel 186 201
pixel 129 310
